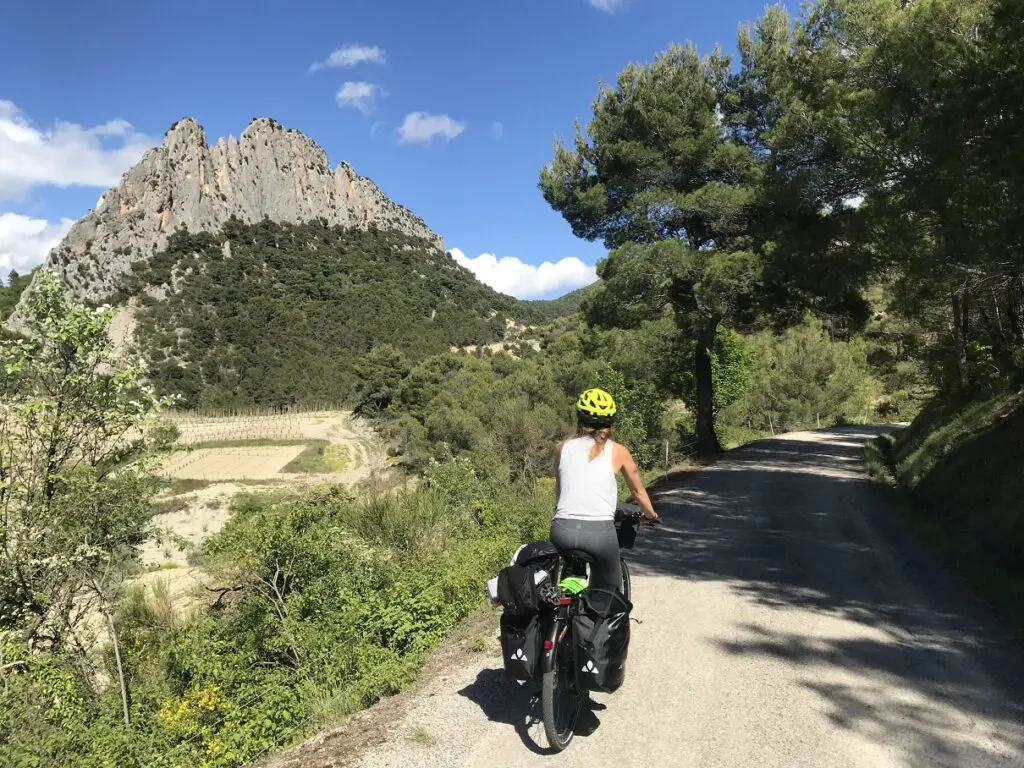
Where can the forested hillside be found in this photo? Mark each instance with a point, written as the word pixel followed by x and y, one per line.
pixel 550 309
pixel 273 314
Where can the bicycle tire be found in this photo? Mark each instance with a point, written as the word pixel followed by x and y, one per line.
pixel 627 586
pixel 559 734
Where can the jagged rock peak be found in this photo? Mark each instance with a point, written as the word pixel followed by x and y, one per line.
pixel 269 171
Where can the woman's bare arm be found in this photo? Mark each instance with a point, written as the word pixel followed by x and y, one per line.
pixel 624 460
pixel 557 460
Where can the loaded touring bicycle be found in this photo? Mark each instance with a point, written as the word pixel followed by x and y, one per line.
pixel 557 630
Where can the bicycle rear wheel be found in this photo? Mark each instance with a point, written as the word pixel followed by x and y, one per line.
pixel 560 699
pixel 627 587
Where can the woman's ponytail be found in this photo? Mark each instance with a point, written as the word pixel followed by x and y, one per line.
pixel 600 436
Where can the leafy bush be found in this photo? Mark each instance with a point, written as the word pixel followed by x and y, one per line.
pixel 337 602
pixel 803 379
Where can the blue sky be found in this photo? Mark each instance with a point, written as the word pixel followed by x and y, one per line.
pixel 481 88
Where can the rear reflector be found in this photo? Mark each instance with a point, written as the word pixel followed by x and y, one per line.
pixel 548 645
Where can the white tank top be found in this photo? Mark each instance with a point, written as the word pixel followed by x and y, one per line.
pixel 587 489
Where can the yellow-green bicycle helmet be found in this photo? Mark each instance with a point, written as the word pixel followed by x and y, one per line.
pixel 596 408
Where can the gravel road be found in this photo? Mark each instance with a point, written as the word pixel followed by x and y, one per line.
pixel 787 621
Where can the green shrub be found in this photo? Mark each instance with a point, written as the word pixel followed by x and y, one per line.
pixel 803 379
pixel 338 602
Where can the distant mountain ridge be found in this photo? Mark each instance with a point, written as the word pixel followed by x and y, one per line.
pixel 551 309
pixel 251 273
pixel 269 172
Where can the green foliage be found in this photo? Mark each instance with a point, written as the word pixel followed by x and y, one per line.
pixel 380 373
pixel 640 412
pixel 277 313
pixel 570 303
pixel 908 106
pixel 456 482
pixel 76 453
pixel 803 379
pixel 732 365
pixel 10 293
pixel 676 189
pixel 505 414
pixel 338 602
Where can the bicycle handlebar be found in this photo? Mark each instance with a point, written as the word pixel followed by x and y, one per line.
pixel 632 512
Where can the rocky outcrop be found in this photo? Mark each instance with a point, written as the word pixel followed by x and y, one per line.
pixel 268 172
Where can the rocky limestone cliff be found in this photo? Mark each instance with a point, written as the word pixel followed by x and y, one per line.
pixel 268 172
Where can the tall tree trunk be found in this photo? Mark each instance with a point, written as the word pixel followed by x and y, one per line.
pixel 961 324
pixel 707 439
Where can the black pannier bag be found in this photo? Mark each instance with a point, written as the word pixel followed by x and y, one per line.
pixel 521 646
pixel 625 530
pixel 517 591
pixel 601 633
pixel 538 554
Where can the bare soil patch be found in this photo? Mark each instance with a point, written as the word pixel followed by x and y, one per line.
pixel 259 463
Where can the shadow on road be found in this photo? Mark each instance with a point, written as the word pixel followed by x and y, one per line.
pixel 503 701
pixel 794 524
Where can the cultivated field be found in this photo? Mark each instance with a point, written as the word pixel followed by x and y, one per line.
pixel 237 463
pixel 218 456
pixel 259 446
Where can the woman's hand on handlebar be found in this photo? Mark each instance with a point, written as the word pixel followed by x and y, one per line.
pixel 646 519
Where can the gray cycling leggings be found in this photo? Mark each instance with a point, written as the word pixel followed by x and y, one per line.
pixel 598 539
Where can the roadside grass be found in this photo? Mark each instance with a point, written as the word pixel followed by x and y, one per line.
pixel 319 459
pixel 940 428
pixel 878 458
pixel 990 580
pixel 733 436
pixel 419 734
pixel 994 585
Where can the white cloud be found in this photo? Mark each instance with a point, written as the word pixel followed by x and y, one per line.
pixel 24 242
pixel 350 56
pixel 854 201
pixel 68 155
pixel 497 130
pixel 422 128
pixel 361 96
pixel 376 127
pixel 608 6
pixel 512 276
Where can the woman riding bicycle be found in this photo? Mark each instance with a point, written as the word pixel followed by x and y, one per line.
pixel 585 469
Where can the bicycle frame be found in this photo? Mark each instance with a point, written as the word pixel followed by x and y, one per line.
pixel 559 627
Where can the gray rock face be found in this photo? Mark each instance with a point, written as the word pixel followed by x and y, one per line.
pixel 268 172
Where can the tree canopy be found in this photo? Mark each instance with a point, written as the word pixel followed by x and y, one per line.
pixel 659 177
